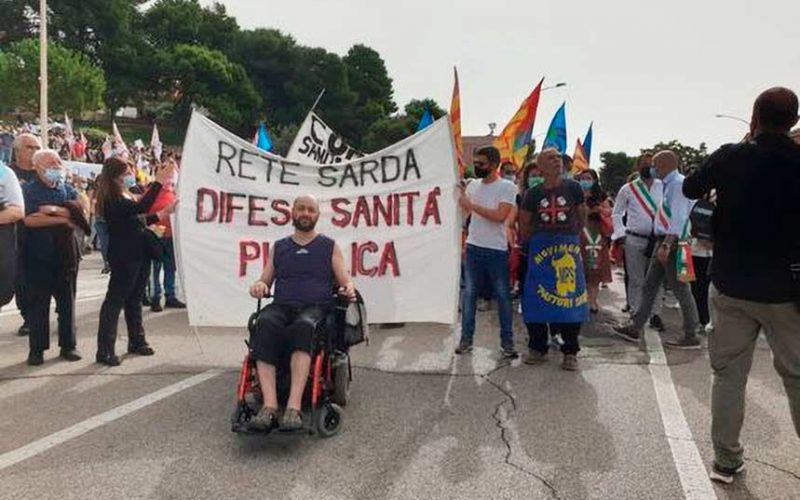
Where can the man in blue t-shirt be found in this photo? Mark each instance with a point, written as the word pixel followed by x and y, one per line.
pixel 50 257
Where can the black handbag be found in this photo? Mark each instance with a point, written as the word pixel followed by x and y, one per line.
pixel 153 245
pixel 355 328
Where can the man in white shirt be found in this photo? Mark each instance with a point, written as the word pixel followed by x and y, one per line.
pixel 671 229
pixel 638 202
pixel 12 210
pixel 489 201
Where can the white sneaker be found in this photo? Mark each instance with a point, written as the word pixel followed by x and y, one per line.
pixel 710 328
pixel 519 309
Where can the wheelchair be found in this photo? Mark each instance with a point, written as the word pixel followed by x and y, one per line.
pixel 328 387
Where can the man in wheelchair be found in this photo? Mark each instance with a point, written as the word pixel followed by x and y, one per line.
pixel 303 268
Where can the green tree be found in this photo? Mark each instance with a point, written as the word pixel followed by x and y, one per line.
pixel 17 20
pixel 198 76
pixel 368 78
pixel 76 84
pixel 615 170
pixel 688 155
pixel 390 130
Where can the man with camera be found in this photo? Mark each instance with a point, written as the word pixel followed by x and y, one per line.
pixel 756 266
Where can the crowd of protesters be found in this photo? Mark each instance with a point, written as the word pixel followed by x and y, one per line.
pixel 52 216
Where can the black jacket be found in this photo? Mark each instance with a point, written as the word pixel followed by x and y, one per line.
pixel 756 223
pixel 127 222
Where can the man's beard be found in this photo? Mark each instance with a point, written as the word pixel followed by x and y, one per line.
pixel 304 224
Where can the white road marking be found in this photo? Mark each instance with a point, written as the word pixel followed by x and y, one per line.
pixel 42 445
pixel 691 471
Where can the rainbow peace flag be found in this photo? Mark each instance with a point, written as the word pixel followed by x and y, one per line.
pixel 455 123
pixel 515 140
pixel 580 162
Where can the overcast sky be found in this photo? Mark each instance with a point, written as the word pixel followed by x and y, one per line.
pixel 643 71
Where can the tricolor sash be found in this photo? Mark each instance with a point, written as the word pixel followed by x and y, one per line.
pixel 683 256
pixel 555 287
pixel 645 199
pixel 592 247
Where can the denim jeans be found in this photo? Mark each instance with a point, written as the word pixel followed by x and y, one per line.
pixel 490 266
pixel 168 262
pixel 102 237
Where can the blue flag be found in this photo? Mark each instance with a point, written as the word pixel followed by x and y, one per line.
pixel 425 121
pixel 264 142
pixel 587 143
pixel 557 133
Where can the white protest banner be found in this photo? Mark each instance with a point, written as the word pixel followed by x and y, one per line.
pixel 393 213
pixel 317 144
pixel 85 170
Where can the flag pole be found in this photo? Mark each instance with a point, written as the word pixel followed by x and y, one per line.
pixel 319 97
pixel 43 70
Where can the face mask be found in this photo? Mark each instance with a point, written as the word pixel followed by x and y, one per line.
pixel 482 173
pixel 653 173
pixel 129 181
pixel 587 185
pixel 644 173
pixel 509 176
pixel 535 181
pixel 54 175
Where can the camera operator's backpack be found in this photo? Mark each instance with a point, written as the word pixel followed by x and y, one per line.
pixel 700 217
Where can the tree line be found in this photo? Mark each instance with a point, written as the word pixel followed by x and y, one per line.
pixel 166 57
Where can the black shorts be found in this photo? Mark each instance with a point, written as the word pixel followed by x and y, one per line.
pixel 283 329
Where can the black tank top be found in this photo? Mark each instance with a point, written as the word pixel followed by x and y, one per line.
pixel 303 274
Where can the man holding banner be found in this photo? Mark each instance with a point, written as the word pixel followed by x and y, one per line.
pixel 551 219
pixel 489 200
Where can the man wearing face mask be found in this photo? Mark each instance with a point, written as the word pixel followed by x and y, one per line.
pixel 50 256
pixel 634 217
pixel 303 267
pixel 489 201
pixel 671 233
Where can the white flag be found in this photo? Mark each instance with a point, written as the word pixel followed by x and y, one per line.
pixel 69 134
pixel 120 149
pixel 155 144
pixel 317 143
pixel 107 149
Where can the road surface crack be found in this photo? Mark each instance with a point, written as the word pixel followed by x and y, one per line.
pixel 772 466
pixel 502 421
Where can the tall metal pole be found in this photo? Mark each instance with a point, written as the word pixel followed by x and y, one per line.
pixel 319 97
pixel 43 70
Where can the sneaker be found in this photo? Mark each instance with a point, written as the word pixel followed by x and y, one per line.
pixel 684 343
pixel 464 347
pixel 570 362
pixel 70 355
pixel 725 475
pixel 709 328
pixel 656 323
pixel 509 352
pixel 105 270
pixel 627 308
pixel 174 303
pixel 35 358
pixel 628 332
pixel 141 348
pixel 23 331
pixel 535 357
pixel 156 306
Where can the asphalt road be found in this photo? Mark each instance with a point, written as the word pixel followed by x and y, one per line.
pixel 421 423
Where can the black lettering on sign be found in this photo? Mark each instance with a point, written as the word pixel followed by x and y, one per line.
pixel 306 147
pixel 226 152
pixel 327 176
pixel 243 161
pixel 286 174
pixel 314 123
pixel 411 164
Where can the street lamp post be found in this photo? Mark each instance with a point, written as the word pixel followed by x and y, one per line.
pixel 43 70
pixel 730 117
pixel 557 85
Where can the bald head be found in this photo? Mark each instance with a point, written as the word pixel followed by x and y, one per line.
pixel 775 110
pixel 665 162
pixel 305 213
pixel 25 145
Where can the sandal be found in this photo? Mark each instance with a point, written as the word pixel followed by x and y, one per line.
pixel 291 420
pixel 266 419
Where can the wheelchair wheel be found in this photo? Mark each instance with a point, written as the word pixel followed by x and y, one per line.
pixel 341 384
pixel 328 420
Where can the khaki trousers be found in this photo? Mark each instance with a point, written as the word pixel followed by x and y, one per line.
pixel 737 324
